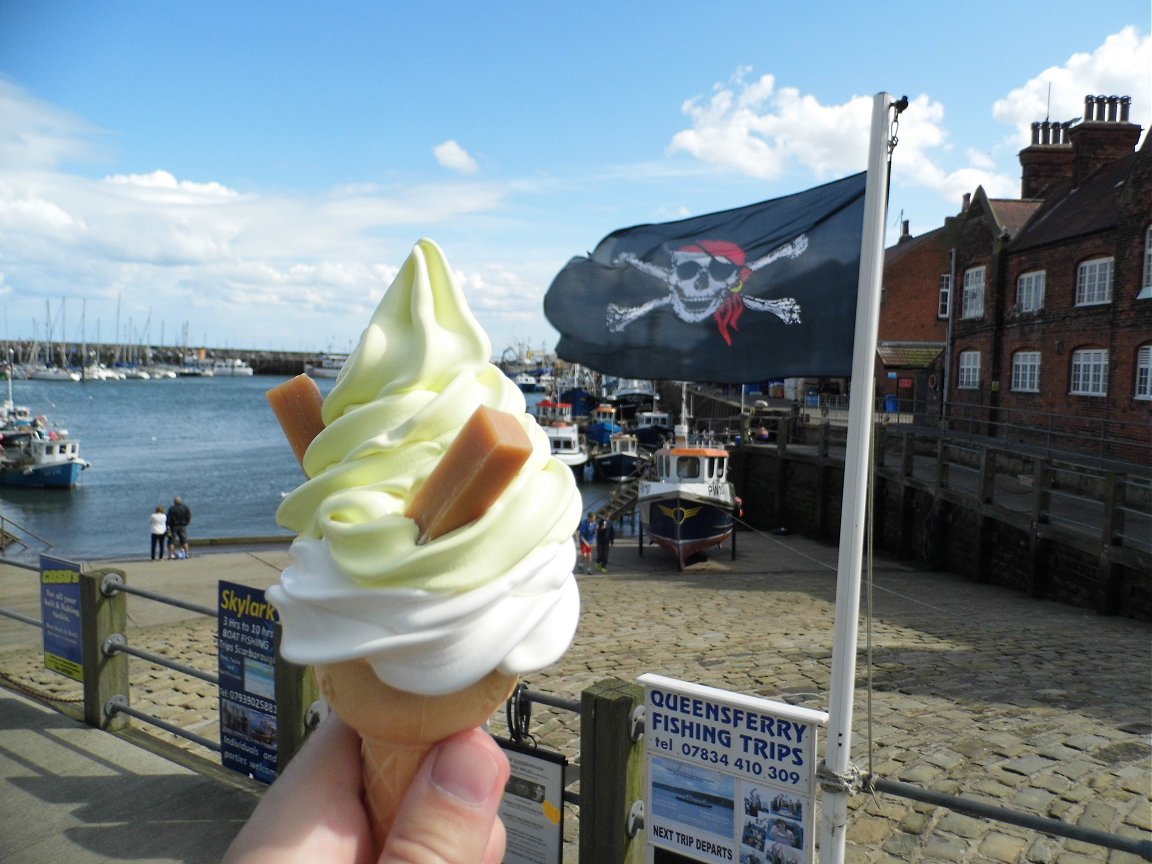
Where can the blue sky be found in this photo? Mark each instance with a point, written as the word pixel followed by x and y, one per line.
pixel 252 174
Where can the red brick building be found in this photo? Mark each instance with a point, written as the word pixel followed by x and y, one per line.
pixel 1048 331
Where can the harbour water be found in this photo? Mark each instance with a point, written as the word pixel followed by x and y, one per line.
pixel 212 441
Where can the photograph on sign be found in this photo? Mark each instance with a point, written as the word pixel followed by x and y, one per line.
pixel 532 808
pixel 730 776
pixel 774 826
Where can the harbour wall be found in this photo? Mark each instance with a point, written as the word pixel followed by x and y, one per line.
pixel 962 524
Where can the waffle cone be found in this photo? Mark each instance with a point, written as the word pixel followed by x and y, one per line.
pixel 398 728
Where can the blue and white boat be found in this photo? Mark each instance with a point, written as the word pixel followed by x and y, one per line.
pixel 35 453
pixel 687 504
pixel 602 426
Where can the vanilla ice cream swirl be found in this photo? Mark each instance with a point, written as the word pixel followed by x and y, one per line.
pixel 431 618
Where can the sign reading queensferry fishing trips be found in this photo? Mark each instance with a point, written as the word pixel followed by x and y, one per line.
pixel 246 629
pixel 60 612
pixel 730 777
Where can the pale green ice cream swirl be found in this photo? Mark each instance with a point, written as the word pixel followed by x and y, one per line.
pixel 433 617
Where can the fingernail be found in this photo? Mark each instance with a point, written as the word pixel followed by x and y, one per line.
pixel 465 772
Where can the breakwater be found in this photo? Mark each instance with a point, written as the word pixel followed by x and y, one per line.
pixel 110 354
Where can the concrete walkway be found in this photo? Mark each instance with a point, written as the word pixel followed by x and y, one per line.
pixel 974 690
pixel 71 793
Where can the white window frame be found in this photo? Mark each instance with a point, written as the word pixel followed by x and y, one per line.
pixel 1094 282
pixel 1144 372
pixel 944 293
pixel 968 371
pixel 1026 372
pixel 1146 285
pixel 973 302
pixel 1030 291
pixel 1089 372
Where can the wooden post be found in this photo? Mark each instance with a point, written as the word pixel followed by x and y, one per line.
pixel 1038 553
pixel 611 773
pixel 941 464
pixel 907 454
pixel 296 693
pixel 105 675
pixel 987 475
pixel 1108 575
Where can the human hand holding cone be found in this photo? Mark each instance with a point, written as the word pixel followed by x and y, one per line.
pixel 398 728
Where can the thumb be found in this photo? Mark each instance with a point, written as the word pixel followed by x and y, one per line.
pixel 449 815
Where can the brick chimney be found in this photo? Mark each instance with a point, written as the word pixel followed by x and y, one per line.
pixel 1103 136
pixel 1047 160
pixel 1073 150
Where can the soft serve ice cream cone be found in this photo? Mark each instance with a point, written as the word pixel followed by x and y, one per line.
pixel 415 639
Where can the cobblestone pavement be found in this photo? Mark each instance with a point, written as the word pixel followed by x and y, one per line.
pixel 971 690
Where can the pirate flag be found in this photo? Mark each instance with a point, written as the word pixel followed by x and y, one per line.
pixel 742 296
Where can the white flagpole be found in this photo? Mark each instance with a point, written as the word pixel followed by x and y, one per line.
pixel 838 746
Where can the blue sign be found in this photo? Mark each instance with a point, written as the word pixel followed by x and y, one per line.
pixel 246 627
pixel 60 612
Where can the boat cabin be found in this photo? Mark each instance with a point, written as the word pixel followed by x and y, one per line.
pixel 692 465
pixel 550 413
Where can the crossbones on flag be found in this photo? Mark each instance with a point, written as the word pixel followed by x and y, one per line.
pixel 760 292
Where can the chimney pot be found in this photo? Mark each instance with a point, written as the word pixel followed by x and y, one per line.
pixel 967 202
pixel 1125 104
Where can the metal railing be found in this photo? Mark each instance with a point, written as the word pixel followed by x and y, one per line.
pixel 611 726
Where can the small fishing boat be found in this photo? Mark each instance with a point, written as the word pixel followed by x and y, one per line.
pixel 564 439
pixel 620 461
pixel 231 367
pixel 653 429
pixel 687 503
pixel 694 798
pixel 602 426
pixel 35 453
pixel 325 365
pixel 549 412
pixel 527 383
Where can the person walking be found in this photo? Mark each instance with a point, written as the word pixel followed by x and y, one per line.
pixel 178 518
pixel 586 536
pixel 158 528
pixel 605 537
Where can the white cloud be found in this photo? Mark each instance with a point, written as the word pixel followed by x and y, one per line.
pixel 164 180
pixel 35 135
pixel 1122 66
pixel 451 155
pixel 756 129
pixel 759 129
pixel 296 271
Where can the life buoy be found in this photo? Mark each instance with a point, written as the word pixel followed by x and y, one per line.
pixel 932 382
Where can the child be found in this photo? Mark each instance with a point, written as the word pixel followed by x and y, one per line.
pixel 585 535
